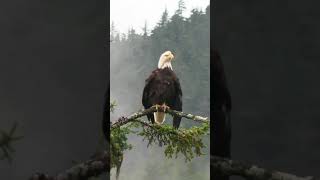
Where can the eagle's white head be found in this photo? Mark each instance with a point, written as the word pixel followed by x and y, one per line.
pixel 165 60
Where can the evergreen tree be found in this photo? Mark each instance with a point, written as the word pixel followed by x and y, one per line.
pixel 123 37
pixel 145 30
pixel 164 18
pixel 181 7
pixel 117 38
pixel 208 10
pixel 112 31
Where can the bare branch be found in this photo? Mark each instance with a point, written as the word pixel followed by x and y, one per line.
pixel 121 121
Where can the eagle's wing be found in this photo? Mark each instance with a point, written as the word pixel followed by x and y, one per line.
pixel 178 87
pixel 177 103
pixel 146 90
pixel 146 95
pixel 221 111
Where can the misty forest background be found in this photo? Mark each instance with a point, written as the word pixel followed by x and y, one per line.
pixel 132 58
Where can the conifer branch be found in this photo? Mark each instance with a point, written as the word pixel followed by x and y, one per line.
pixel 6 139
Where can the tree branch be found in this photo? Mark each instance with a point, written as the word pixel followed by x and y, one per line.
pixel 221 165
pixel 98 166
pixel 124 120
pixel 82 171
pixel 249 171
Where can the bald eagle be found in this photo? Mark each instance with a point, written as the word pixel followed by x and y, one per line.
pixel 221 136
pixel 162 88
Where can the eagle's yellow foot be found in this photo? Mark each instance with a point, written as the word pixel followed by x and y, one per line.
pixel 157 106
pixel 165 107
pixel 162 108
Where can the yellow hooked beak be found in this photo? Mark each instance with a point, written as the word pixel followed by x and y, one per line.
pixel 171 56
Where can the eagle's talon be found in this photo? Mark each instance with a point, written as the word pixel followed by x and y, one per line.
pixel 157 107
pixel 165 107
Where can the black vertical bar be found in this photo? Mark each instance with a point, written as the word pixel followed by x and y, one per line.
pixel 211 83
pixel 106 107
pixel 220 99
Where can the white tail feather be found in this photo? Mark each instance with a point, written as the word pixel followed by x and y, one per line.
pixel 159 117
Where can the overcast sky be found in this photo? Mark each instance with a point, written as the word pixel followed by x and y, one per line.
pixel 134 13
